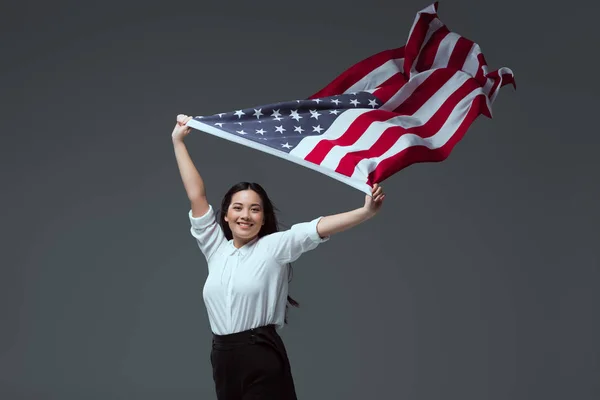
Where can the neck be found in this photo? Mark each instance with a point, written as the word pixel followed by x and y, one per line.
pixel 239 242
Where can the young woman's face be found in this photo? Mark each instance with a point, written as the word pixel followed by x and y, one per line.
pixel 245 215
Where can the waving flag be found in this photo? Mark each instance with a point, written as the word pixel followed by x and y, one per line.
pixel 398 107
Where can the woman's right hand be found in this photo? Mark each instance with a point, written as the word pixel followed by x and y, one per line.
pixel 181 130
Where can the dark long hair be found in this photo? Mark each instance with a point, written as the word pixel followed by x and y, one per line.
pixel 271 224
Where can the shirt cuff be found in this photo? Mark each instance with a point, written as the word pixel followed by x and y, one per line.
pixel 313 233
pixel 204 220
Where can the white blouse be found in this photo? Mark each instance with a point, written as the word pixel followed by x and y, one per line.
pixel 248 287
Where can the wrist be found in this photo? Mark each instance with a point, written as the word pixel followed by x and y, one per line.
pixel 366 213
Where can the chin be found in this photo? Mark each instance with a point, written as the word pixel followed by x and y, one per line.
pixel 243 233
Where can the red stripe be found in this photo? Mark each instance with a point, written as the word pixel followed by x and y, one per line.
pixel 358 71
pixel 508 79
pixel 429 51
pixel 391 135
pixel 423 93
pixel 354 132
pixel 390 87
pixel 500 81
pixel 480 75
pixel 419 154
pixel 496 78
pixel 417 36
pixel 461 51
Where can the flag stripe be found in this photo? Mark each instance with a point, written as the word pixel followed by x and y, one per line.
pixel 417 35
pixel 367 167
pixel 431 127
pixel 357 72
pixel 376 77
pixel 419 97
pixel 418 153
pixel 390 87
pixel 351 135
pixel 336 130
pixel 461 51
pixel 430 50
pixel 431 84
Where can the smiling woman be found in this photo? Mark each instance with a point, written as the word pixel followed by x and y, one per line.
pixel 246 209
pixel 246 291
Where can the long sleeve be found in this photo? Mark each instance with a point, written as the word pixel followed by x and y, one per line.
pixel 287 246
pixel 207 232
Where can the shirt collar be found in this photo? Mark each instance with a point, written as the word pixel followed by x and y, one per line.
pixel 242 250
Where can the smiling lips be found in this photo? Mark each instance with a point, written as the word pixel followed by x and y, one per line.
pixel 244 225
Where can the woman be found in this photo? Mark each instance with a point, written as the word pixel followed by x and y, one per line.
pixel 246 291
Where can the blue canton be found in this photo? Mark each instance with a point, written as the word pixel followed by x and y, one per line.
pixel 283 125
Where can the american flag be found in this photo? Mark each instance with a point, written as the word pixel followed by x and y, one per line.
pixel 398 107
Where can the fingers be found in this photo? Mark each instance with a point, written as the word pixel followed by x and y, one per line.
pixel 183 119
pixel 379 198
pixel 376 190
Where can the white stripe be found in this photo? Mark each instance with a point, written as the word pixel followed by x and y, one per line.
pixel 489 83
pixel 430 9
pixel 471 64
pixel 434 25
pixel 501 71
pixel 419 118
pixel 337 129
pixel 406 91
pixel 459 113
pixel 377 76
pixel 355 183
pixel 445 50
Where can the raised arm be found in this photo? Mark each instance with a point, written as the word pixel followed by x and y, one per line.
pixel 192 181
pixel 332 224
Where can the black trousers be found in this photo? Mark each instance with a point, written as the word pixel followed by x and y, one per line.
pixel 252 365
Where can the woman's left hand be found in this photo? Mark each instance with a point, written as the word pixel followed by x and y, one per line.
pixel 374 202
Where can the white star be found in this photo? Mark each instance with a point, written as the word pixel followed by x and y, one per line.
pixel 336 101
pixel 199 117
pixel 219 124
pixel 334 112
pixel 317 100
pixel 261 131
pixel 314 114
pixel 276 114
pixel 279 129
pixel 298 129
pixel 373 103
pixel 239 123
pixel 258 113
pixel 294 114
pixel 355 102
pixel 317 128
pixel 220 115
pixel 241 132
pixel 239 113
pixel 287 146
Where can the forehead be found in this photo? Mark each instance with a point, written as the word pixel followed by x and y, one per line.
pixel 246 197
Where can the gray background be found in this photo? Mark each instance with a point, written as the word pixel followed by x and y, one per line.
pixel 478 280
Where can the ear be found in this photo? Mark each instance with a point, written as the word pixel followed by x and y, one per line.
pixel 225 218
